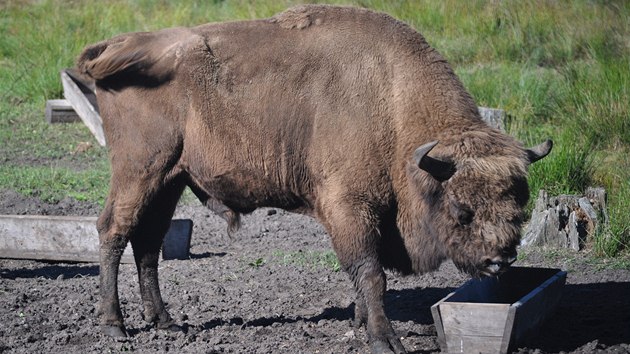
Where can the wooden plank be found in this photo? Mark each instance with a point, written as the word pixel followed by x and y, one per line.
pixel 72 238
pixel 509 340
pixel 60 111
pixel 475 344
pixel 437 319
pixel 471 319
pixel 82 99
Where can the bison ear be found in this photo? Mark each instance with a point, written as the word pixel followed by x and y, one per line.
pixel 440 170
pixel 539 151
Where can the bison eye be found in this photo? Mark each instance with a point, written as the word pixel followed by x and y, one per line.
pixel 463 214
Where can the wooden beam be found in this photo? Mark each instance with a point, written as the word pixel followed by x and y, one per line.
pixel 60 111
pixel 83 99
pixel 74 238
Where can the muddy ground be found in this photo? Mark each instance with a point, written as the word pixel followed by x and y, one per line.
pixel 272 288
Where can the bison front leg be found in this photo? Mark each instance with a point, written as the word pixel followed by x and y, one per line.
pixel 369 281
pixel 355 241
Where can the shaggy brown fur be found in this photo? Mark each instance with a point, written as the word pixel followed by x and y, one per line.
pixel 317 110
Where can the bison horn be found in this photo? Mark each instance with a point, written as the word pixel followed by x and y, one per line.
pixel 539 151
pixel 440 170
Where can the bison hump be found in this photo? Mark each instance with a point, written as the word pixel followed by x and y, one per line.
pixel 299 17
pixel 304 16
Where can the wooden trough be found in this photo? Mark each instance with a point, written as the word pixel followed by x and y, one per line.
pixel 496 315
pixel 74 238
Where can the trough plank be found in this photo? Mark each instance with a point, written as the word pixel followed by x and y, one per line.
pixel 83 100
pixel 73 238
pixel 465 319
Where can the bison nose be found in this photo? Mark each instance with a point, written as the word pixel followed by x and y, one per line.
pixel 496 265
pixel 510 257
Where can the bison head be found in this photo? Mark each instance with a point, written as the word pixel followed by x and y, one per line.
pixel 476 199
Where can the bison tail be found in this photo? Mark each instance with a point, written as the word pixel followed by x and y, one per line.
pixel 111 57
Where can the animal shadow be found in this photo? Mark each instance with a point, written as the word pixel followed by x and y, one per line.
pixel 413 304
pixel 401 305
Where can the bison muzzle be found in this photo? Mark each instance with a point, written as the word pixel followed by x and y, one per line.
pixel 340 113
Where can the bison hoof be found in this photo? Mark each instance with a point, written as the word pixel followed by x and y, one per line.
pixel 391 346
pixel 114 331
pixel 358 321
pixel 170 326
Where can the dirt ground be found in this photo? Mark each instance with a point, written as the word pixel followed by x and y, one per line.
pixel 272 288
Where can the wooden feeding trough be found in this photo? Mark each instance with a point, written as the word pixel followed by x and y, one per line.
pixel 495 315
pixel 75 239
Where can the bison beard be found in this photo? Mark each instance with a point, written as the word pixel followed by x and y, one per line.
pixel 334 112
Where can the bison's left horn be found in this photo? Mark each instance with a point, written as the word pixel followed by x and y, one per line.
pixel 539 151
pixel 440 170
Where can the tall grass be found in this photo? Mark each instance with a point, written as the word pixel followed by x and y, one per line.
pixel 561 69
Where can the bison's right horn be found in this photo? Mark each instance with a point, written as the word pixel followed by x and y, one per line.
pixel 539 151
pixel 440 170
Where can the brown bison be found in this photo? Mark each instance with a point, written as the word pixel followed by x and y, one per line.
pixel 334 112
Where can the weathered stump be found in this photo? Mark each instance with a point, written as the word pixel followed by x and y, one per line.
pixel 566 221
pixel 493 117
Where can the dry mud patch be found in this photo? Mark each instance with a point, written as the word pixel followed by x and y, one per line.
pixel 270 289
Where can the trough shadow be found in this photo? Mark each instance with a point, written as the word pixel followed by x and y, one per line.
pixel 207 255
pixel 51 272
pixel 586 312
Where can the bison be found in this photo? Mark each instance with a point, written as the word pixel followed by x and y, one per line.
pixel 340 113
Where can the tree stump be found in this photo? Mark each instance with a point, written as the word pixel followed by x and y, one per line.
pixel 566 221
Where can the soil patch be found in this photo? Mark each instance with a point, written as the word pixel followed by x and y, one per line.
pixel 272 288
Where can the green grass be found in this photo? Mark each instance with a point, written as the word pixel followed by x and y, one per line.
pixel 309 259
pixel 561 69
pixel 55 183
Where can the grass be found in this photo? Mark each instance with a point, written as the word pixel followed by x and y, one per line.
pixel 560 69
pixel 309 259
pixel 54 183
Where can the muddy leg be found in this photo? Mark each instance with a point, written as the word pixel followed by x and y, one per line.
pixel 356 240
pixel 360 312
pixel 369 281
pixel 146 244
